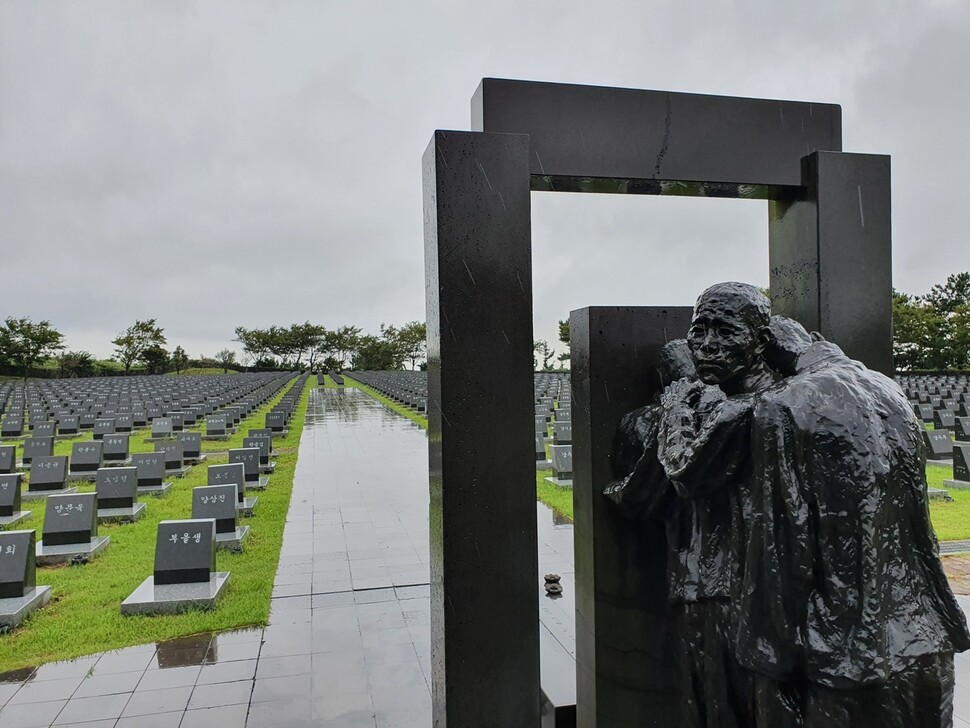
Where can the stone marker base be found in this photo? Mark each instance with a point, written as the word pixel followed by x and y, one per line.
pixel 561 482
pixel 178 472
pixel 261 484
pixel 117 463
pixel 948 463
pixel 232 541
pixel 269 468
pixel 37 494
pixel 60 437
pixel 958 484
pixel 166 438
pixel 936 493
pixel 175 598
pixel 156 490
pixel 62 554
pixel 14 610
pixel 196 461
pixel 215 438
pixel 121 515
pixel 88 476
pixel 15 518
pixel 543 464
pixel 246 505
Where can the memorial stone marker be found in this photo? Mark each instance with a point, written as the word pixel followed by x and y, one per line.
pixel 115 447
pixel 939 446
pixel 35 447
pixel 86 457
pixel 220 503
pixel 10 499
pixel 8 458
pixel 185 576
pixel 19 594
pixel 70 530
pixel 117 491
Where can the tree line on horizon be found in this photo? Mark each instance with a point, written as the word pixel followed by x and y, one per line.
pixel 26 345
pixel 931 332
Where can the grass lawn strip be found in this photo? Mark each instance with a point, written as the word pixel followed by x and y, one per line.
pixel 84 615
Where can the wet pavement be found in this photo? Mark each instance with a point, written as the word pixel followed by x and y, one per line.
pixel 349 637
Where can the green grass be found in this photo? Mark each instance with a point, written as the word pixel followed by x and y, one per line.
pixel 84 615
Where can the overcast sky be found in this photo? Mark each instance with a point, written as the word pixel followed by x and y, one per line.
pixel 217 163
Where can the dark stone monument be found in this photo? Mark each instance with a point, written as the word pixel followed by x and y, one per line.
pixel 86 458
pixel 19 593
pixel 10 511
pixel 962 429
pixel 117 491
pixel 557 137
pixel 220 503
pixel 172 451
pixel 185 577
pixel 939 444
pixel 249 457
pixel 70 530
pixel 8 459
pixel 12 426
pixel 943 420
pixel 115 448
pixel 47 475
pixel 233 474
pixel 191 443
pixel 162 428
pixel 151 473
pixel 35 447
pixel 961 466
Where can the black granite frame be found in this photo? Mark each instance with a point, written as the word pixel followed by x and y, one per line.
pixel 830 268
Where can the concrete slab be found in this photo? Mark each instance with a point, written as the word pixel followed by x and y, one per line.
pixel 156 490
pixel 232 541
pixel 122 515
pixel 66 553
pixel 150 598
pixel 6 521
pixel 15 610
pixel 37 494
pixel 246 507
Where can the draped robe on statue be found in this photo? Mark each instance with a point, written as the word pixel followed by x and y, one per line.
pixel 842 587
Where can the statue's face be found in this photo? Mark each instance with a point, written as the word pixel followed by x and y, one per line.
pixel 724 346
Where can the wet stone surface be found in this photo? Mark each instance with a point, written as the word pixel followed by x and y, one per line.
pixel 349 639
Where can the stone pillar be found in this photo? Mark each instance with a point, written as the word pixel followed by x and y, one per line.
pixel 625 674
pixel 830 253
pixel 484 580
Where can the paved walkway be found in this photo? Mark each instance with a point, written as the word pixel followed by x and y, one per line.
pixel 349 641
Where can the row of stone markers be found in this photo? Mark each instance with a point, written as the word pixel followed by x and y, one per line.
pixel 943 401
pixel 409 389
pixel 554 427
pixel 553 417
pixel 70 531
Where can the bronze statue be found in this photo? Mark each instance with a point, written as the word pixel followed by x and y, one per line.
pixel 803 570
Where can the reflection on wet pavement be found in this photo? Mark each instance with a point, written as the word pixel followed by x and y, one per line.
pixel 348 642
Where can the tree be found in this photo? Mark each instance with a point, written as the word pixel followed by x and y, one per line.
pixel 918 334
pixel 180 360
pixel 155 359
pixel 413 338
pixel 950 296
pixel 136 340
pixel 344 343
pixel 542 349
pixel 305 338
pixel 377 353
pixel 564 338
pixel 255 342
pixel 76 364
pixel 226 358
pixel 25 343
